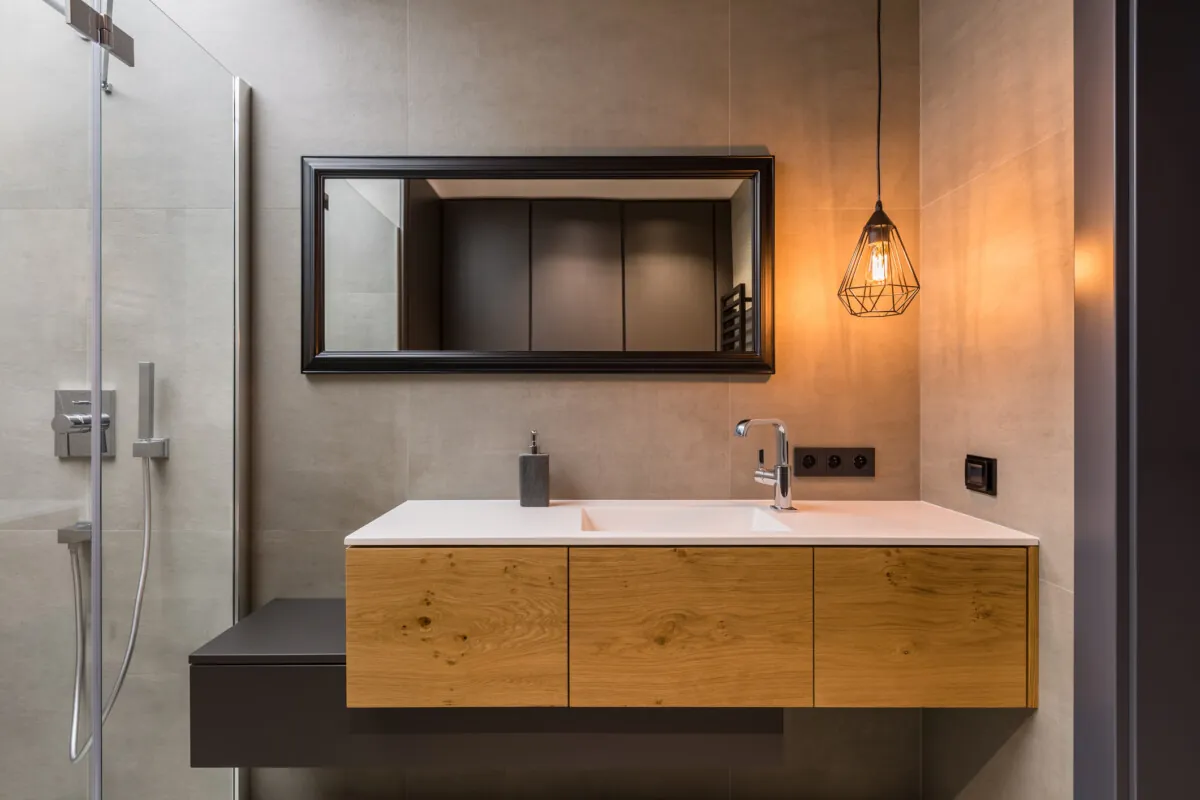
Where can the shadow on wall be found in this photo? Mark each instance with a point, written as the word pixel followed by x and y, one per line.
pixel 989 730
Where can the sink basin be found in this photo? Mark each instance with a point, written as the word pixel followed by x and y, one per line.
pixel 679 519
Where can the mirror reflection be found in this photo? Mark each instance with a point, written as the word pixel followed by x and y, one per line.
pixel 511 265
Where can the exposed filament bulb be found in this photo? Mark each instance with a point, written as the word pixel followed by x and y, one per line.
pixel 879 263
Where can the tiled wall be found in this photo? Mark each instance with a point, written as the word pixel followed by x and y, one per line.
pixel 795 77
pixel 167 245
pixel 997 344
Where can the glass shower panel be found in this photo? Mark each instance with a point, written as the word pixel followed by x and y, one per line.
pixel 168 299
pixel 45 296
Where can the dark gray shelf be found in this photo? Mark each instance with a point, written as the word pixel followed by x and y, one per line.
pixel 271 692
pixel 299 631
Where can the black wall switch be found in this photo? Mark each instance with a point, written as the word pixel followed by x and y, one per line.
pixel 980 474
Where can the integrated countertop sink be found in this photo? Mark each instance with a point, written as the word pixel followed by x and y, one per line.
pixel 582 523
pixel 679 519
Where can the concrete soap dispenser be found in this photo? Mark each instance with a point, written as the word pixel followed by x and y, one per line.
pixel 534 469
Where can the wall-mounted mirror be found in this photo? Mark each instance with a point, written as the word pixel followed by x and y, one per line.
pixel 581 264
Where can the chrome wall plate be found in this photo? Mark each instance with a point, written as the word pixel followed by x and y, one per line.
pixel 79 444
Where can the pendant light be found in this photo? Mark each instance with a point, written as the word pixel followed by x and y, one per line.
pixel 880 280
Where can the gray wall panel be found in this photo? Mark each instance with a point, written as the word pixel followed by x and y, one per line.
pixel 576 268
pixel 485 288
pixel 421 327
pixel 670 280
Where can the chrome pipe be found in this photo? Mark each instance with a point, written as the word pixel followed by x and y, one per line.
pixel 96 682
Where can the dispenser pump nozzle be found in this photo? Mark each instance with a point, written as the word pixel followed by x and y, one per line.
pixel 533 445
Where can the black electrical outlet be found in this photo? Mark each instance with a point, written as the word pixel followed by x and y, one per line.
pixel 834 462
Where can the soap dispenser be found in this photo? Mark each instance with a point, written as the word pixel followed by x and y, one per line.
pixel 534 469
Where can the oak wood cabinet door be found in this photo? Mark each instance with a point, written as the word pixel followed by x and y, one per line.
pixel 691 626
pixel 472 626
pixel 925 626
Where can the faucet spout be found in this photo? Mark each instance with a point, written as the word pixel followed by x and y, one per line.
pixel 780 476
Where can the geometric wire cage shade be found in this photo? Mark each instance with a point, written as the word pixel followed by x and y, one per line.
pixel 880 280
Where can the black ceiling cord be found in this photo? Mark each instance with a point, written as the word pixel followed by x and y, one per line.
pixel 878 99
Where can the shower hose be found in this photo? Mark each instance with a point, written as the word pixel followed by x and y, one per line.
pixel 76 752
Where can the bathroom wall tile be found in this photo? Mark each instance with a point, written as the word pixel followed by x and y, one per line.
pixel 997 347
pixel 555 76
pixel 980 755
pixel 188 598
pixel 327 78
pixel 43 344
pixel 329 451
pixel 996 79
pixel 803 87
pixel 168 298
pixel 36 668
pixel 298 563
pixel 607 438
pixel 146 737
pixel 48 88
pixel 167 126
pixel 840 380
pixel 835 753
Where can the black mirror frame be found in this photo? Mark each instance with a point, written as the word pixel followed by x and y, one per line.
pixel 759 169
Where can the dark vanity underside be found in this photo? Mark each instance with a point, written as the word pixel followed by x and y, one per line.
pixel 271 692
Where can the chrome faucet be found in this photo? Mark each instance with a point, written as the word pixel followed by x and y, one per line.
pixel 67 422
pixel 779 476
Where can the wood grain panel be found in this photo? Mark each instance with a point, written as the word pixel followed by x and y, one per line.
pixel 1031 634
pixel 456 627
pixel 912 626
pixel 703 626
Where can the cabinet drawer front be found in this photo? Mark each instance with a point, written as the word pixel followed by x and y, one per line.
pixel 695 626
pixel 456 626
pixel 913 626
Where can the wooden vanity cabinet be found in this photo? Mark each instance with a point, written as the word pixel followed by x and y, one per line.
pixel 471 626
pixel 684 626
pixel 925 626
pixel 692 626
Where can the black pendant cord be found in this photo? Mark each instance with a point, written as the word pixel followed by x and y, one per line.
pixel 878 101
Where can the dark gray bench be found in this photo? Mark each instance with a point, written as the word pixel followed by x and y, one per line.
pixel 271 692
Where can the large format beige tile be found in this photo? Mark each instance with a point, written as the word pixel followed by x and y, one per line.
pixel 168 298
pixel 43 347
pixel 997 370
pixel 840 380
pixel 36 668
pixel 558 76
pixel 328 78
pixel 841 754
pixel 167 126
pixel 996 78
pixel 188 598
pixel 297 564
pixel 990 755
pixel 48 86
pixel 329 451
pixel 803 86
pixel 607 438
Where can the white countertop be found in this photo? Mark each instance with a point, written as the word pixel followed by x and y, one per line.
pixel 463 523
